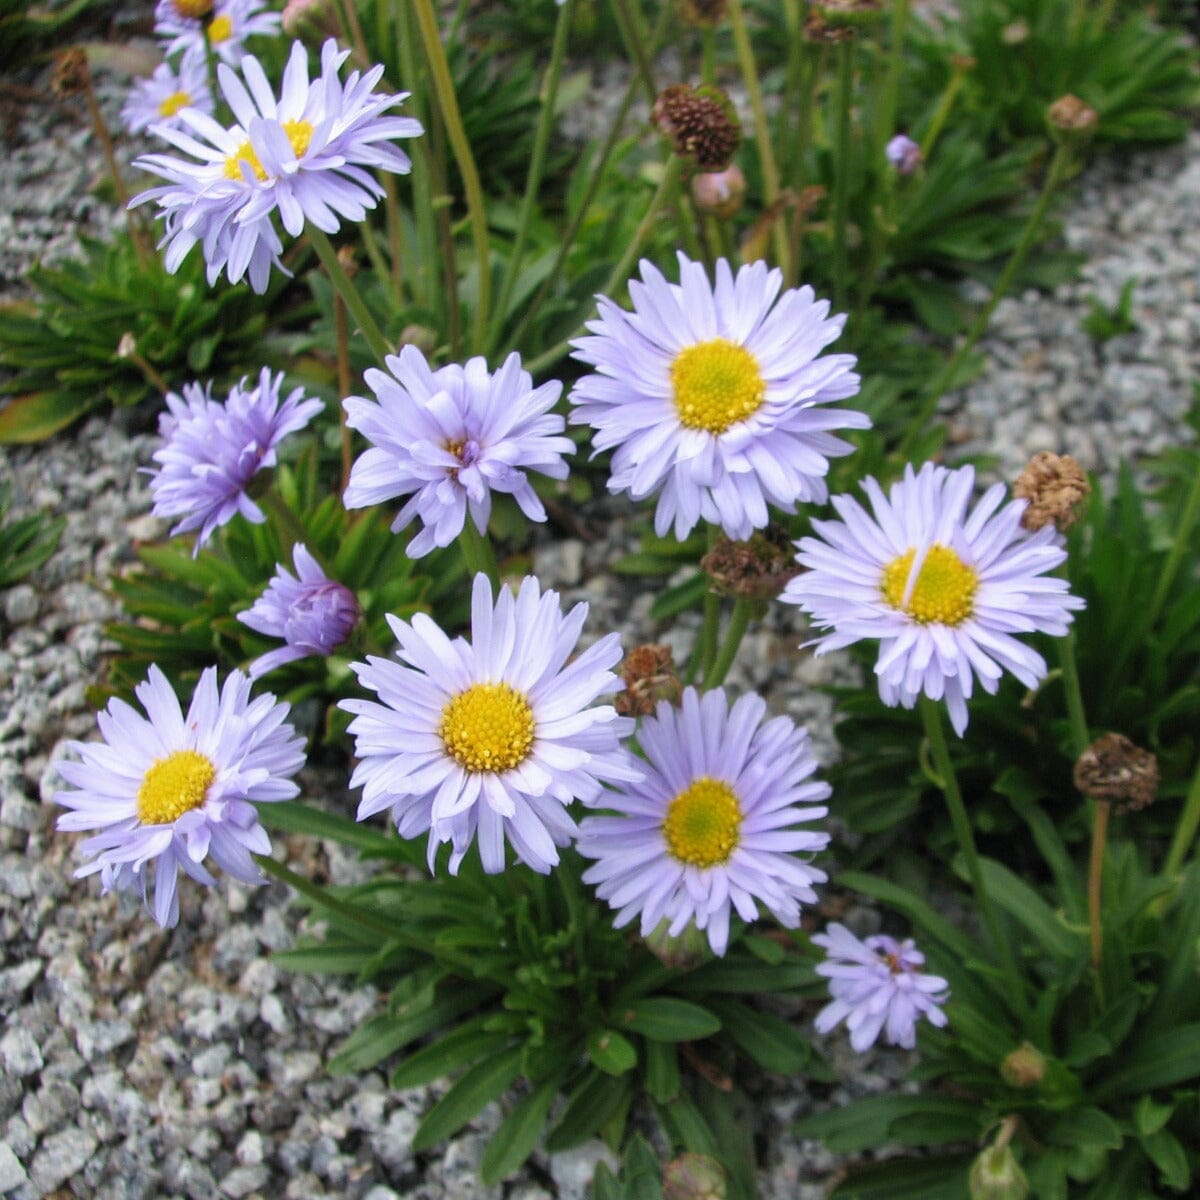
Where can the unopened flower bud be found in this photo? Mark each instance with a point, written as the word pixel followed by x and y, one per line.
pixel 757 569
pixel 420 336
pixel 694 1177
pixel 688 949
pixel 310 21
pixel 1113 769
pixel 904 154
pixel 1015 34
pixel 848 14
pixel 703 14
pixel 996 1175
pixel 701 123
pixel 1055 485
pixel 1071 121
pixel 1024 1067
pixel 649 675
pixel 720 192
pixel 127 346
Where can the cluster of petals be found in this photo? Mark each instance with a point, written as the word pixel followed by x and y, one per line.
pixel 223 30
pixel 248 753
pixel 307 157
pixel 878 986
pixel 450 438
pixel 515 669
pixel 763 771
pixel 1000 568
pixel 212 450
pixel 775 452
pixel 160 99
pixel 311 612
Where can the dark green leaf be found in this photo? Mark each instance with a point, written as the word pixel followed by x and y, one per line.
pixel 517 1136
pixel 668 1020
pixel 611 1052
pixel 480 1085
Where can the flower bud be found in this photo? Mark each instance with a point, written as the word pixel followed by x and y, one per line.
pixel 1015 34
pixel 1071 121
pixel 310 21
pixel 1055 485
pixel 1024 1067
pixel 420 336
pixel 848 14
pixel 720 192
pixel 702 124
pixel 694 1177
pixel 904 154
pixel 1113 769
pixel 996 1175
pixel 689 949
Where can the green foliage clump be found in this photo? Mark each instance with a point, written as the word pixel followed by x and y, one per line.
pixel 25 543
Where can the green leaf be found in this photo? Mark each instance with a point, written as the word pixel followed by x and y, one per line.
pixel 37 415
pixel 906 1179
pixel 686 1126
pixel 917 911
pixel 287 816
pixel 594 1101
pixel 1149 1116
pixel 1022 903
pixel 1160 1063
pixel 1165 1152
pixel 668 1020
pixel 340 959
pixel 680 598
pixel 611 1052
pixel 771 1042
pixel 480 1085
pixel 913 1120
pixel 1086 1127
pixel 466 1044
pixel 662 1071
pixel 517 1136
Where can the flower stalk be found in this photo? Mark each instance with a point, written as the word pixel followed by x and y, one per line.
pixel 348 292
pixel 735 631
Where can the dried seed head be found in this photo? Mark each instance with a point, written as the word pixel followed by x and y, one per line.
pixel 1071 120
pixel 758 569
pixel 817 29
pixel 650 676
pixel 703 14
pixel 1054 485
pixel 701 123
pixel 1113 769
pixel 71 75
pixel 720 192
pixel 1024 1067
pixel 694 1177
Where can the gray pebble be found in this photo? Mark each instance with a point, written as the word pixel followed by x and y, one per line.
pixel 61 1156
pixel 21 604
pixel 19 1052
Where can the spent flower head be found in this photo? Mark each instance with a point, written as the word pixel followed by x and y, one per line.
pixel 169 792
pixel 450 438
pixel 306 157
pixel 1054 485
pixel 713 824
pixel 490 740
pixel 716 397
pixel 878 986
pixel 701 123
pixel 311 612
pixel 160 99
pixel 942 588
pixel 212 450
pixel 1115 770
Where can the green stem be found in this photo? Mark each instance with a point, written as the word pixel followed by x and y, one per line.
pixel 537 162
pixel 321 896
pixel 478 554
pixel 1185 831
pixel 635 47
pixel 620 273
pixel 443 87
pixel 739 621
pixel 1076 713
pixel 1179 547
pixel 943 111
pixel 1054 177
pixel 841 166
pixel 348 292
pixel 762 128
pixel 708 69
pixel 931 717
pixel 886 115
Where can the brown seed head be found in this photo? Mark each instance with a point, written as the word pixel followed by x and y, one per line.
pixel 70 75
pixel 758 569
pixel 650 676
pixel 1113 769
pixel 1054 485
pixel 1071 120
pixel 701 123
pixel 703 14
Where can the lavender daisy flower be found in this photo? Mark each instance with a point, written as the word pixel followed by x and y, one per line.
pixel 307 157
pixel 194 25
pixel 312 613
pixel 160 99
pixel 877 986
pixel 904 154
pixel 715 395
pixel 211 451
pixel 493 738
pixel 170 791
pixel 712 824
pixel 942 590
pixel 451 438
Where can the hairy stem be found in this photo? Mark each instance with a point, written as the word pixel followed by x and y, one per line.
pixel 348 292
pixel 739 621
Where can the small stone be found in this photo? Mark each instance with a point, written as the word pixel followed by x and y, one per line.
pixel 19 1052
pixel 392 1144
pixel 12 1174
pixel 250 1149
pixel 241 1181
pixel 21 604
pixel 99 1038
pixel 18 813
pixel 61 1156
pixel 572 1170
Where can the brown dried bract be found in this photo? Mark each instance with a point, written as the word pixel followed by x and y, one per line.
pixel 650 676
pixel 758 569
pixel 1054 485
pixel 1113 769
pixel 71 75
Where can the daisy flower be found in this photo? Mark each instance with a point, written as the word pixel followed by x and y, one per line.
pixel 307 157
pixel 492 738
pixel 943 589
pixel 712 825
pixel 195 25
pixel 159 99
pixel 173 791
pixel 714 396
pixel 211 451
pixel 451 438
pixel 311 612
pixel 878 986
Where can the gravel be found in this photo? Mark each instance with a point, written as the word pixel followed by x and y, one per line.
pixel 139 1063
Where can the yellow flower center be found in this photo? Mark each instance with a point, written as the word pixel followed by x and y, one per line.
pixel 716 384
pixel 220 29
pixel 702 823
pixel 173 103
pixel 174 785
pixel 193 8
pixel 299 133
pixel 489 727
pixel 944 591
